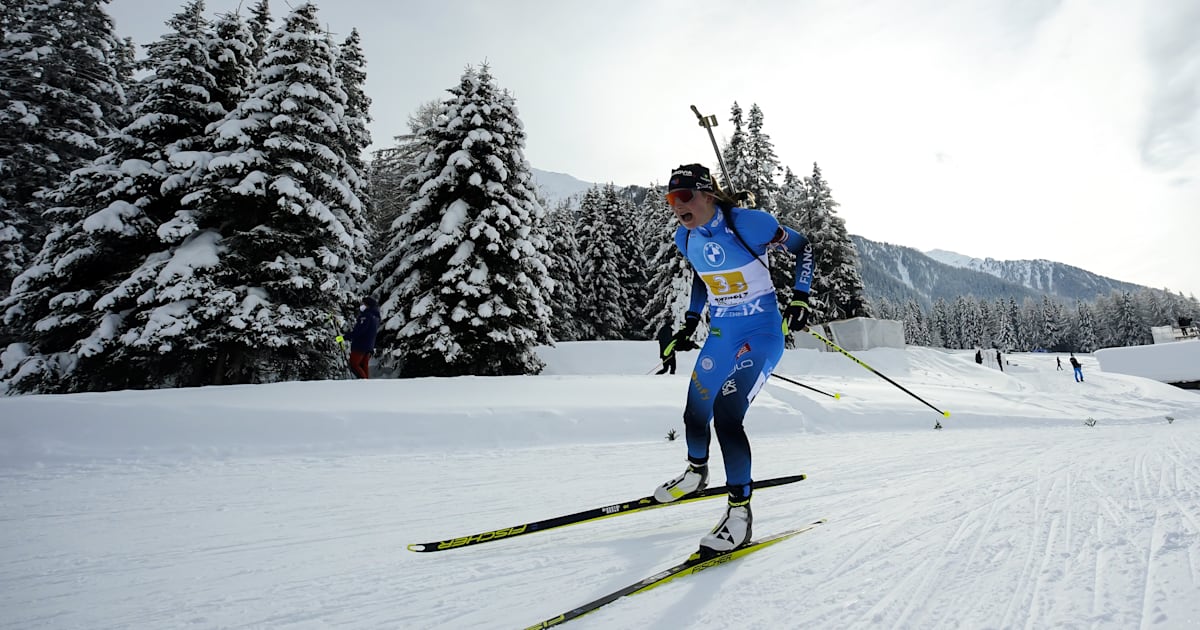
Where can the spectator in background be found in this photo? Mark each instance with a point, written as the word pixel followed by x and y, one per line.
pixel 362 337
pixel 1078 368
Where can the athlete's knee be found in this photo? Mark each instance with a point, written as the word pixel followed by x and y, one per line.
pixel 695 419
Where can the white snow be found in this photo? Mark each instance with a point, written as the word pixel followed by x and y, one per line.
pixel 1174 362
pixel 290 505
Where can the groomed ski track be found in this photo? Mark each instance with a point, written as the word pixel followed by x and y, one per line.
pixel 984 528
pixel 243 514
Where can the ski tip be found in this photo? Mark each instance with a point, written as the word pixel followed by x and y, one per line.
pixel 416 547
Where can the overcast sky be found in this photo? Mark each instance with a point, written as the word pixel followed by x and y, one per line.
pixel 1010 129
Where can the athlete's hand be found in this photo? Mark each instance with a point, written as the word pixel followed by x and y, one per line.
pixel 795 316
pixel 682 341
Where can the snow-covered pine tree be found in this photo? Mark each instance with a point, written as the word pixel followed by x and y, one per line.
pixel 670 283
pixel 61 93
pixel 95 274
pixel 469 266
pixel 604 299
pixel 633 272
pixel 231 49
pixel 260 30
pixel 941 324
pixel 790 207
pixel 278 215
pixel 761 169
pixel 351 69
pixel 391 187
pixel 916 325
pixel 1125 321
pixel 837 289
pixel 734 153
pixel 968 324
pixel 174 326
pixel 1008 335
pixel 1086 339
pixel 565 271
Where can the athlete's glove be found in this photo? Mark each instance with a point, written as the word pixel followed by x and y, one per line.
pixel 682 341
pixel 795 316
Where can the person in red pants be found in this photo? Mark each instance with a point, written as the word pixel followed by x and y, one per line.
pixel 362 337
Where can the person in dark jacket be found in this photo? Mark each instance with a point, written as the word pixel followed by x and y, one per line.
pixel 362 337
pixel 978 357
pixel 1078 369
pixel 665 335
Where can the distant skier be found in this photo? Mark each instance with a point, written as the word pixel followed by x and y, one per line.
pixel 979 356
pixel 999 360
pixel 362 337
pixel 727 248
pixel 664 339
pixel 1078 368
pixel 1059 359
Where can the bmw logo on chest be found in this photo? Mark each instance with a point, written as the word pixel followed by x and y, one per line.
pixel 714 254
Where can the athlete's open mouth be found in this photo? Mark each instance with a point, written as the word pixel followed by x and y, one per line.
pixel 686 217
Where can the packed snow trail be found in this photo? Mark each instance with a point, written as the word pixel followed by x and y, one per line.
pixel 1055 527
pixel 291 505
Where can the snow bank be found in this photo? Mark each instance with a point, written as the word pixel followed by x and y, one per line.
pixel 1177 362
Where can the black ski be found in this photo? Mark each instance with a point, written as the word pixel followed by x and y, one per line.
pixel 636 505
pixel 694 564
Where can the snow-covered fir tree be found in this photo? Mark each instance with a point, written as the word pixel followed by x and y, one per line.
pixel 670 281
pixel 391 184
pixel 466 280
pixel 565 271
pixel 790 206
pixel 351 69
pixel 837 289
pixel 61 93
pixel 916 325
pixel 96 275
pixel 604 300
pixel 759 173
pixel 941 324
pixel 231 49
pixel 1086 339
pixel 274 220
pixel 733 154
pixel 1124 320
pixel 632 272
pixel 260 29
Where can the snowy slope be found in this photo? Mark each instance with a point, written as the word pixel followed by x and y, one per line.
pixel 289 505
pixel 558 187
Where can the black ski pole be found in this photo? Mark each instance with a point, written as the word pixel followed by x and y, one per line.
pixel 880 375
pixel 708 122
pixel 788 380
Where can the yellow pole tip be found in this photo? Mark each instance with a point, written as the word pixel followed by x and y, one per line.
pixel 946 413
pixel 837 396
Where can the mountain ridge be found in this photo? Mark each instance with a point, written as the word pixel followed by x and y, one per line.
pixel 900 273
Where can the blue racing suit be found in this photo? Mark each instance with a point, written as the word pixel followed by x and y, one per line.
pixel 745 339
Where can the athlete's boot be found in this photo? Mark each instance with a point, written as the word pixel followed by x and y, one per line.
pixel 733 531
pixel 694 479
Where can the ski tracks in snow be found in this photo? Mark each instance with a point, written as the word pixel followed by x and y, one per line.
pixel 1008 532
pixel 987 528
